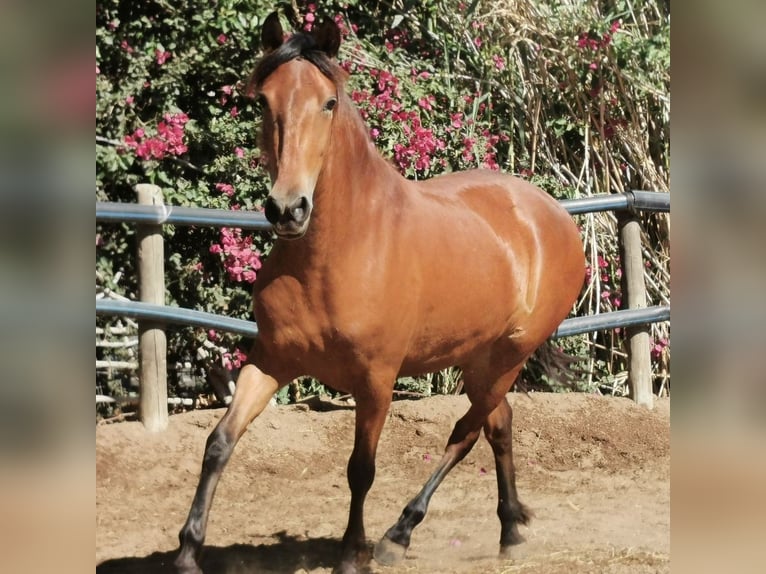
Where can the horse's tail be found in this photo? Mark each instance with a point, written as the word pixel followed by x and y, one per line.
pixel 552 369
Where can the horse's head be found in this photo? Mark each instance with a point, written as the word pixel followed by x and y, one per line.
pixel 298 85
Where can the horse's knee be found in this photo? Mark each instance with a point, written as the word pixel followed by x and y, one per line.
pixel 360 474
pixel 218 449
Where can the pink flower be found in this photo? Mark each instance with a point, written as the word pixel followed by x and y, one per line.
pixel 225 188
pixel 226 90
pixel 499 62
pixel 309 18
pixel 477 42
pixel 241 259
pixel 234 112
pixel 129 100
pixel 658 347
pixel 161 56
pixel 239 152
pixel 127 47
pixel 221 39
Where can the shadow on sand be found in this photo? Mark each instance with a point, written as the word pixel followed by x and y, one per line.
pixel 288 555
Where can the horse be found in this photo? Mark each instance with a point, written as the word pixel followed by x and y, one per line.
pixel 373 276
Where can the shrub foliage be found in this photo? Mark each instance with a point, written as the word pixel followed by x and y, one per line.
pixel 573 95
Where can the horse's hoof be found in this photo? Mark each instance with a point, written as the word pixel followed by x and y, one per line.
pixel 387 552
pixel 347 568
pixel 185 566
pixel 506 550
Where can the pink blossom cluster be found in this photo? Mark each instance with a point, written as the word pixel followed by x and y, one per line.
pixel 161 56
pixel 310 20
pixel 241 258
pixel 609 291
pixel 659 347
pixel 233 360
pixel 169 139
pixel 225 188
pixel 421 145
pixel 383 104
pixel 587 42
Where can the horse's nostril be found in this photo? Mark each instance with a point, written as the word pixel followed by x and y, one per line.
pixel 300 211
pixel 272 210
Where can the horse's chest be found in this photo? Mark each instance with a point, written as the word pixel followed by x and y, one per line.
pixel 285 321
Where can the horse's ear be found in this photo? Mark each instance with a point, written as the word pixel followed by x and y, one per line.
pixel 271 33
pixel 327 37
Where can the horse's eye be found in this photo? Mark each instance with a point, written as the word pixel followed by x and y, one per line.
pixel 330 104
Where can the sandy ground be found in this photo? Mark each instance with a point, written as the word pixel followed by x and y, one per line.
pixel 595 470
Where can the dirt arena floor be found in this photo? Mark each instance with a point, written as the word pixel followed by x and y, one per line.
pixel 595 470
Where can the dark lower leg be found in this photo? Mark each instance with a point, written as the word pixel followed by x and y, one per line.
pixel 217 452
pixel 397 539
pixel 370 416
pixel 510 511
pixel 254 389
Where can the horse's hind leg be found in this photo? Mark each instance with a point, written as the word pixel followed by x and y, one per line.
pixel 394 544
pixel 511 512
pixel 254 390
pixel 485 390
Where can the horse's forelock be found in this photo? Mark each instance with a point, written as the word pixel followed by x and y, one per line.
pixel 296 46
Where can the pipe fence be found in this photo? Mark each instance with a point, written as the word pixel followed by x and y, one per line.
pixel 151 214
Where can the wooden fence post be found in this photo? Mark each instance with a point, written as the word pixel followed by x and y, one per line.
pixel 634 289
pixel 153 375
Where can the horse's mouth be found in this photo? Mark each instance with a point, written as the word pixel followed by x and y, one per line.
pixel 290 230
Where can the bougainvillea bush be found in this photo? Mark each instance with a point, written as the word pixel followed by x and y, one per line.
pixel 572 95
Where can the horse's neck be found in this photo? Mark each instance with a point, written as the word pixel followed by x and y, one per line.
pixel 356 181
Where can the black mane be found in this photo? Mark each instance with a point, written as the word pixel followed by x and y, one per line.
pixel 298 45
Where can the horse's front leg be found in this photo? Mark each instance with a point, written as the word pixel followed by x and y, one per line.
pixel 253 392
pixel 372 403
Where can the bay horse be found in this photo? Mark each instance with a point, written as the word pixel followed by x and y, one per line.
pixel 373 276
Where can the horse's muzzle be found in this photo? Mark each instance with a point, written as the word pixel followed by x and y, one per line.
pixel 289 220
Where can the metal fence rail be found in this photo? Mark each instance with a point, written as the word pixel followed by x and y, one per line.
pixel 178 316
pixel 177 215
pixel 256 221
